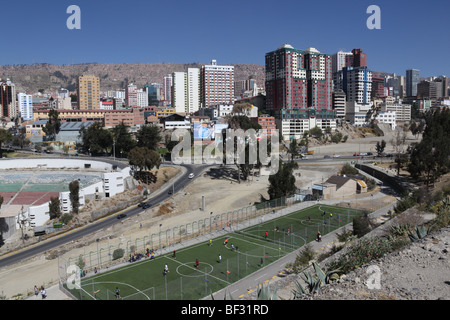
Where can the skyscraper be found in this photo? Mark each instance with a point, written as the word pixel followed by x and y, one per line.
pixel 217 84
pixel 186 90
pixel 298 79
pixel 357 84
pixel 167 89
pixel 412 79
pixel 25 102
pixel 88 89
pixel 7 99
pixel 339 60
pixel 356 59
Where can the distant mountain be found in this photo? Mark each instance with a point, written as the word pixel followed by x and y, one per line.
pixel 31 78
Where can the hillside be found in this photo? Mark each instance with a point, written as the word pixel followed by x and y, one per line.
pixel 31 78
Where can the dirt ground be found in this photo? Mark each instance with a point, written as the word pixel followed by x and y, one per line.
pixel 222 193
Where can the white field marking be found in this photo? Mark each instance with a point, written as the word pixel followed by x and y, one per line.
pixel 188 264
pixel 195 269
pixel 121 283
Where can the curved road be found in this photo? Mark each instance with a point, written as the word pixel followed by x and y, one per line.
pixel 17 256
pixel 181 182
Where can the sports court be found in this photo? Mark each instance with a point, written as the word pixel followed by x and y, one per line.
pixel 197 271
pixel 34 188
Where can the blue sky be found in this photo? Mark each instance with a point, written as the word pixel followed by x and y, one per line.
pixel 413 34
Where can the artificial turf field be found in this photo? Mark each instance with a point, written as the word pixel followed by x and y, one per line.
pixel 246 251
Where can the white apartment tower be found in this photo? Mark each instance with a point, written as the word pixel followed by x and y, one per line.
pixel 217 85
pixel 25 102
pixel 193 79
pixel 179 91
pixel 186 91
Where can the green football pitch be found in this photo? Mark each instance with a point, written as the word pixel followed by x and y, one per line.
pixel 221 260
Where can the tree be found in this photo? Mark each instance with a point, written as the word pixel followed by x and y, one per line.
pixel 282 183
pixel 316 132
pixel 398 143
pixel 74 189
pixel 235 123
pixel 293 148
pixel 53 125
pixel 95 138
pixel 148 136
pixel 429 158
pixel 124 142
pixel 5 136
pixel 380 147
pixel 54 207
pixel 142 158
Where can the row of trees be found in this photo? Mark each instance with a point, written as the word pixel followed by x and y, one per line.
pixel 118 140
pixel 429 159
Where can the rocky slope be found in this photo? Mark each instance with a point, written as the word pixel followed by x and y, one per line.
pixel 49 77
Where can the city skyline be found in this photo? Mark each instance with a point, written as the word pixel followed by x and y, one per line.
pixel 231 32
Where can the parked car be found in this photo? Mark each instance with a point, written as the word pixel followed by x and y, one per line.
pixel 326 157
pixel 336 155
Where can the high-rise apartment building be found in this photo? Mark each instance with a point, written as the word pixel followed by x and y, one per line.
pixel 88 89
pixel 241 86
pixel 25 102
pixel 377 86
pixel 186 91
pixel 339 60
pixel 356 59
pixel 217 84
pixel 7 99
pixel 298 79
pixel 412 79
pixel 357 84
pixel 167 89
pixel 136 97
pixel 193 90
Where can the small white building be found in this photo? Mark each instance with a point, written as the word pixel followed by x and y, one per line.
pixel 356 113
pixel 387 117
pixel 295 128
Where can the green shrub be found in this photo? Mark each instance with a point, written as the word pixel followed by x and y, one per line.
pixel 365 250
pixel 118 253
pixel 361 225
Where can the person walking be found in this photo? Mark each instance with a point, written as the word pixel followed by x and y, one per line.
pixel 43 292
pixel 220 258
pixel 36 291
pixel 117 292
pixel 196 263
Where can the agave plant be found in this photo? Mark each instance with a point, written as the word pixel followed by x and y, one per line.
pixel 400 230
pixel 264 293
pixel 314 283
pixel 420 233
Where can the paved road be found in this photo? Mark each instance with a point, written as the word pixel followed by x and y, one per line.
pixel 181 181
